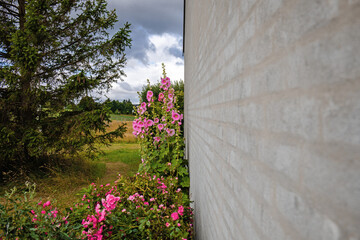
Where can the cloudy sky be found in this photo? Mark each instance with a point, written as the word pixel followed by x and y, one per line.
pixel 156 38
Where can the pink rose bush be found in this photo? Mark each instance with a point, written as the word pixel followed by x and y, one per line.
pixel 141 207
pixel 125 210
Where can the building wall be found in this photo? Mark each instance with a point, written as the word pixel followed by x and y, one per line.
pixel 272 95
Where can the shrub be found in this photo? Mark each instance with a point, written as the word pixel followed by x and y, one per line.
pixel 22 218
pixel 140 207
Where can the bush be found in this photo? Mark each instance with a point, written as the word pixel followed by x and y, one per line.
pixel 22 218
pixel 140 207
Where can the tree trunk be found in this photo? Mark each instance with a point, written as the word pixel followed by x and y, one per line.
pixel 26 111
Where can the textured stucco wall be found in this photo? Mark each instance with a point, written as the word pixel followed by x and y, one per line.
pixel 272 91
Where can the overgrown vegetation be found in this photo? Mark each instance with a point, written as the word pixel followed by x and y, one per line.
pixel 53 55
pixel 64 182
pixel 144 206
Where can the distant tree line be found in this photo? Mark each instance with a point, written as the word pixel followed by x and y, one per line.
pixel 124 107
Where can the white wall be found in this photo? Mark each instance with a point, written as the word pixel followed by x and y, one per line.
pixel 273 118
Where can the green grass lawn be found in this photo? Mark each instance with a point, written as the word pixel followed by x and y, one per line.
pixel 126 153
pixel 66 185
pixel 122 117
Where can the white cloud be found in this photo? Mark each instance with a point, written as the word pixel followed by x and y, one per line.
pixel 137 72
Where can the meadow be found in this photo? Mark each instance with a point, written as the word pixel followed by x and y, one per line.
pixel 66 183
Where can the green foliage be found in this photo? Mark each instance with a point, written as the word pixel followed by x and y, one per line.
pixel 22 218
pixel 140 207
pixel 53 55
pixel 159 128
pixel 124 107
pixel 143 211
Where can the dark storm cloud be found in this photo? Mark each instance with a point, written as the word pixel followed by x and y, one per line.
pixel 175 52
pixel 156 16
pixel 140 42
pixel 148 17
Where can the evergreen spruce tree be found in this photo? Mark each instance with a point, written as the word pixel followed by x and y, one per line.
pixel 53 55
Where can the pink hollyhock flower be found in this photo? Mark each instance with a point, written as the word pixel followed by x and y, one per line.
pixel 146 203
pixel 149 95
pixel 149 123
pixel 163 81
pixel 179 224
pixel 181 210
pixel 141 111
pixel 175 116
pixel 143 105
pixel 170 105
pixel 167 224
pixel 131 197
pixel 157 139
pixel 156 120
pixel 171 132
pixel 160 126
pixel 32 211
pixel 171 96
pixel 161 97
pixel 175 216
pixel 43 212
pixel 152 199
